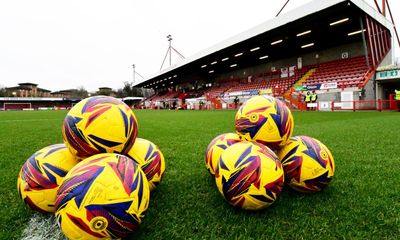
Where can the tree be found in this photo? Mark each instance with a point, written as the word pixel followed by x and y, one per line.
pixel 105 92
pixel 137 92
pixel 130 91
pixel 80 92
pixel 120 93
pixel 3 92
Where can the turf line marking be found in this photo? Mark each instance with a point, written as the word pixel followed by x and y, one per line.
pixel 30 120
pixel 42 226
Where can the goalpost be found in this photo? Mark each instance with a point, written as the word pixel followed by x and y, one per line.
pixel 17 106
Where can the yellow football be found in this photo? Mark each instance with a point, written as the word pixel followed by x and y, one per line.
pixel 103 197
pixel 150 159
pixel 249 176
pixel 99 124
pixel 216 147
pixel 266 120
pixel 308 164
pixel 42 174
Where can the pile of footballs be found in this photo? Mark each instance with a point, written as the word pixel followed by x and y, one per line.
pixel 252 165
pixel 98 181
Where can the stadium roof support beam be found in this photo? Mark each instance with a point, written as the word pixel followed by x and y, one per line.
pixel 385 4
pixel 394 25
pixel 378 43
pixel 377 6
pixel 284 5
pixel 364 43
pixel 372 43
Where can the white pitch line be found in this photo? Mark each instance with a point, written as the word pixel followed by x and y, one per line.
pixel 41 227
pixel 30 120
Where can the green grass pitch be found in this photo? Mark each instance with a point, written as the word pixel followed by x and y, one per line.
pixel 362 201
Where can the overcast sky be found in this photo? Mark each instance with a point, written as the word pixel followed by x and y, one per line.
pixel 93 43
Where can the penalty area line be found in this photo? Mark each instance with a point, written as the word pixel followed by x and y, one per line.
pixel 41 226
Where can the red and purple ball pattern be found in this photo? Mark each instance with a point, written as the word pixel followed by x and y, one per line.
pixel 104 196
pixel 41 175
pixel 150 159
pixel 249 176
pixel 216 147
pixel 99 124
pixel 308 164
pixel 265 120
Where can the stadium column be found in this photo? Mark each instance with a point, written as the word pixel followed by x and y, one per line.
pixel 364 43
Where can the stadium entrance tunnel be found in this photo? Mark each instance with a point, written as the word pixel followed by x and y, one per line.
pixel 386 89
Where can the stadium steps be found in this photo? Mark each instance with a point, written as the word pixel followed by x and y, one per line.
pixel 368 75
pixel 292 102
pixel 301 80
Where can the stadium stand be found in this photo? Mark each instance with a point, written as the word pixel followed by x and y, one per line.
pixel 325 42
pixel 345 72
pixel 195 93
pixel 32 103
pixel 219 90
pixel 163 96
pixel 281 83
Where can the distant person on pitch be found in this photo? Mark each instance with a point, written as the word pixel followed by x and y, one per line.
pixel 307 99
pixel 314 98
pixel 236 101
pixel 397 98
